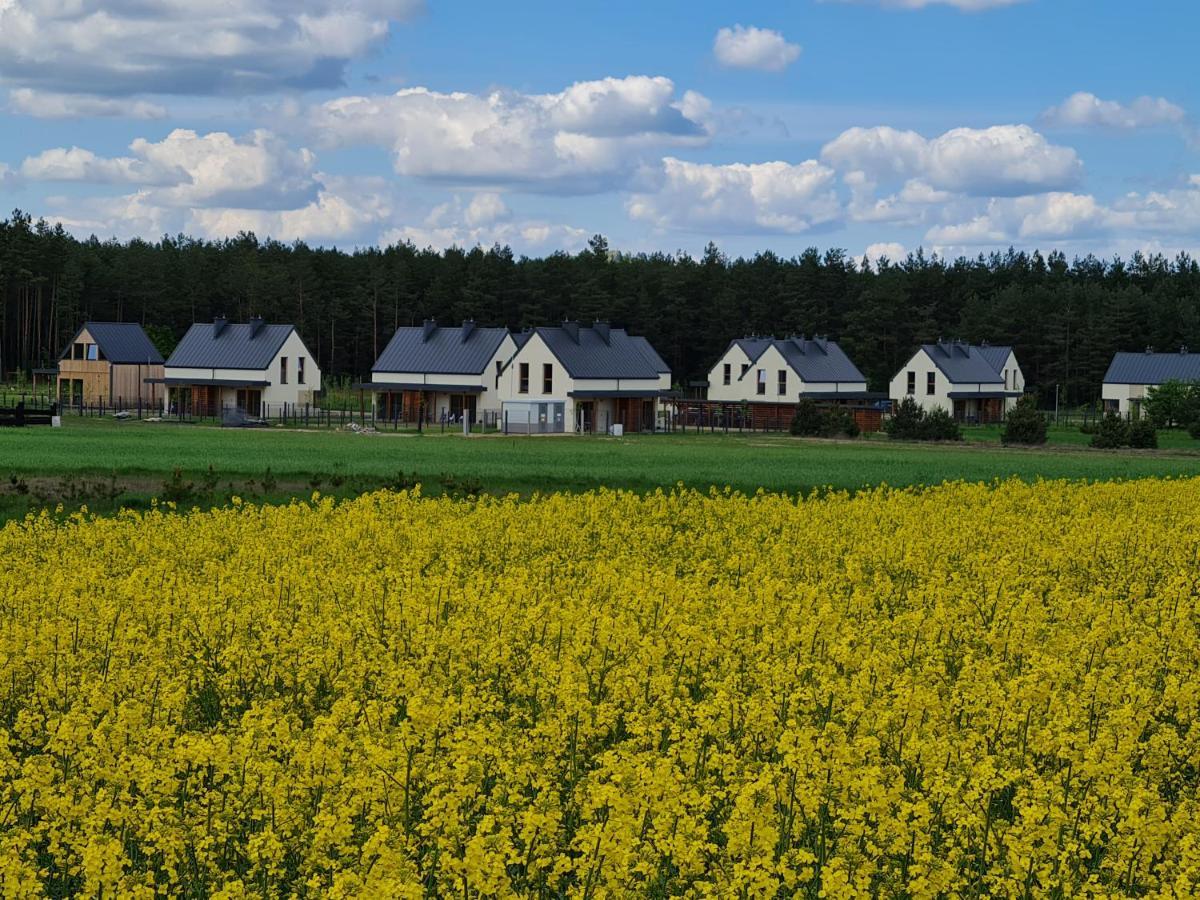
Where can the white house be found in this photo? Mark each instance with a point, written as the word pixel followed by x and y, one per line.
pixel 576 378
pixel 221 367
pixel 770 370
pixel 1131 376
pixel 974 383
pixel 442 373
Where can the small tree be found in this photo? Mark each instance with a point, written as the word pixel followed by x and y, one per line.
pixel 1142 434
pixel 1024 424
pixel 808 421
pixel 907 422
pixel 1111 433
pixel 939 425
pixel 1173 404
pixel 839 422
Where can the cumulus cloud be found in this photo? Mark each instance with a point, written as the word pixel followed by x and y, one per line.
pixel 1004 160
pixel 1082 109
pixel 485 221
pixel 50 105
pixel 258 170
pixel 747 47
pixel 891 251
pixel 762 197
pixel 593 136
pixel 128 47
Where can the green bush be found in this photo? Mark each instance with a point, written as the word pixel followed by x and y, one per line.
pixel 1111 433
pixel 812 421
pixel 906 422
pixel 1142 434
pixel 940 426
pixel 1024 424
pixel 1194 429
pixel 809 421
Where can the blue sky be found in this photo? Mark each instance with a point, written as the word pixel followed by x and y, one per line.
pixel 877 126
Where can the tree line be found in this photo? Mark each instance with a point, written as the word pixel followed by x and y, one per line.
pixel 1064 317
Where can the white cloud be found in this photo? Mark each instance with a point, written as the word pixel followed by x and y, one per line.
pixel 593 136
pixel 964 5
pixel 75 164
pixel 891 251
pixel 328 218
pixel 483 222
pixel 762 197
pixel 50 105
pixel 1083 109
pixel 747 47
pixel 217 170
pixel 1004 160
pixel 130 47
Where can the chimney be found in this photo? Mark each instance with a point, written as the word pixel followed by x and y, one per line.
pixel 1183 349
pixel 822 343
pixel 602 329
pixel 798 340
pixel 256 325
pixel 572 330
pixel 219 324
pixel 468 326
pixel 428 327
pixel 1149 349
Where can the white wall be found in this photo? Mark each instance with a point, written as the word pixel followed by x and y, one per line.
pixel 1015 378
pixel 1129 397
pixel 922 365
pixel 736 357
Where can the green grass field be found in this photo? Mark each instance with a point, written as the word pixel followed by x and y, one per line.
pixel 107 464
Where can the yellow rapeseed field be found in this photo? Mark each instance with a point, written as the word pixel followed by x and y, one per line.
pixel 968 690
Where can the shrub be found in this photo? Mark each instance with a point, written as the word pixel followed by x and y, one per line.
pixel 906 422
pixel 1142 434
pixel 1024 424
pixel 1111 433
pixel 939 425
pixel 809 421
pixel 839 422
pixel 1194 429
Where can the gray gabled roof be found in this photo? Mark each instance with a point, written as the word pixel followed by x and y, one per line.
pixel 965 363
pixel 236 347
pixel 440 350
pixel 814 360
pixel 119 342
pixel 1152 368
pixel 996 356
pixel 585 353
pixel 651 354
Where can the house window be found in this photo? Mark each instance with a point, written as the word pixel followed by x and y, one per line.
pixel 912 383
pixel 77 351
pixel 930 382
pixel 745 368
pixel 1006 380
pixel 762 381
pixel 727 376
pixel 499 366
pixel 782 382
pixel 547 378
pixel 299 370
pixel 523 385
pixel 92 351
pixel 283 370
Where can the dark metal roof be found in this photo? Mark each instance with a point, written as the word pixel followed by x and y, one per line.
pixel 238 346
pixel 383 387
pixel 812 359
pixel 601 395
pixel 997 357
pixel 585 353
pixel 843 395
pixel 651 354
pixel 439 350
pixel 966 363
pixel 1152 368
pixel 982 395
pixel 119 342
pixel 207 382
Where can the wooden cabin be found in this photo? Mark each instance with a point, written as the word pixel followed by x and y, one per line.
pixel 109 362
